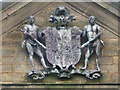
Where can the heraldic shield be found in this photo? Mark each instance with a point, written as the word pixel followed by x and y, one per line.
pixel 63 48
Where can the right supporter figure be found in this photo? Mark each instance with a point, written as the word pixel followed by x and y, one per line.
pixel 90 31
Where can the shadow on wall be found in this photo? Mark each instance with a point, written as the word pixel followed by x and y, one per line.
pixel 5 4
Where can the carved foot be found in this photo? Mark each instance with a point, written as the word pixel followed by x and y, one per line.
pixel 96 75
pixel 35 75
pixel 91 74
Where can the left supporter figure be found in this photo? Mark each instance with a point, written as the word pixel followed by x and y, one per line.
pixel 32 34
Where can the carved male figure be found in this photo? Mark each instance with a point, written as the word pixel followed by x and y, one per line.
pixel 32 34
pixel 90 31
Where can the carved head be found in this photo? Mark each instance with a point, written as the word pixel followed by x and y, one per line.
pixel 92 20
pixel 31 19
pixel 61 17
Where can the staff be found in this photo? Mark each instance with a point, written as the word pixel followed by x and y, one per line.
pixel 34 39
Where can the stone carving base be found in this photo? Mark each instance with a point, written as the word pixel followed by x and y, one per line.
pixel 91 74
pixel 40 74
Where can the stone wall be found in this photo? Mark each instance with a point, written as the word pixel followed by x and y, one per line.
pixel 15 63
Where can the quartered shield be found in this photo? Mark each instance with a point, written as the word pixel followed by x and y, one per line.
pixel 62 46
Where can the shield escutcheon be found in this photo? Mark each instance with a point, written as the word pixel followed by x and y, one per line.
pixel 62 46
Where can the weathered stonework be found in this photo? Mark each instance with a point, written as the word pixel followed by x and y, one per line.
pixel 15 60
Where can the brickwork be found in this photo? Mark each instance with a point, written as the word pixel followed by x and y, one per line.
pixel 15 63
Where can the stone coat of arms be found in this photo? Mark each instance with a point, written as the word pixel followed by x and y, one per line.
pixel 63 46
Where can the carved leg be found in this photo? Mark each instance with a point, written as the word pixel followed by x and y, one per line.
pixel 30 51
pixel 43 62
pixel 98 62
pixel 88 53
pixel 39 53
pixel 31 61
pixel 98 56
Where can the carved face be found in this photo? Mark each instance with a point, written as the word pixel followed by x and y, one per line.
pixel 92 20
pixel 31 19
